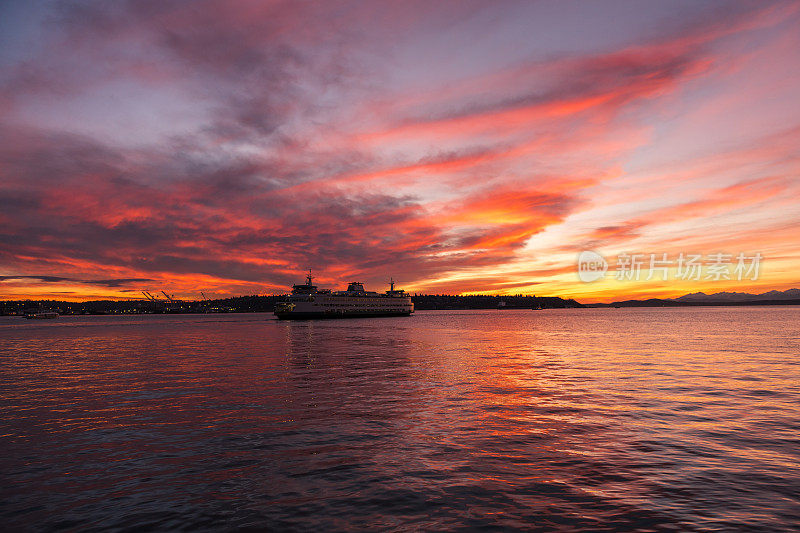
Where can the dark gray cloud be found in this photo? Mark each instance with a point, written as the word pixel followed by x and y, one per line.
pixel 111 283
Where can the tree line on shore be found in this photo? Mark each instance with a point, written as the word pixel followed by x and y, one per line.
pixel 252 304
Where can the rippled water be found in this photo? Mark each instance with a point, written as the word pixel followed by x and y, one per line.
pixel 598 419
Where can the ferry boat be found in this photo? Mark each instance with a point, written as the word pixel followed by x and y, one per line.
pixel 307 301
pixel 36 314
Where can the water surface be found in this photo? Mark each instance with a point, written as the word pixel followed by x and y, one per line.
pixel 677 419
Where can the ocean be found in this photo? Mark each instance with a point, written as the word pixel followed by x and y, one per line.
pixel 668 419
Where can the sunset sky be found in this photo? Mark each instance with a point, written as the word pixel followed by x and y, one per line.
pixel 226 147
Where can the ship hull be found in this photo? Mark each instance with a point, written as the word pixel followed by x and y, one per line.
pixel 309 315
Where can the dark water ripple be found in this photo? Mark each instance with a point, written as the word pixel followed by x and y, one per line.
pixel 594 420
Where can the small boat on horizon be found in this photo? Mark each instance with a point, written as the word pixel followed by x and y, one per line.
pixel 45 314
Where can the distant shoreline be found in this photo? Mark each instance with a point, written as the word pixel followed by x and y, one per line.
pixel 422 302
pixel 249 304
pixel 620 305
pixel 672 303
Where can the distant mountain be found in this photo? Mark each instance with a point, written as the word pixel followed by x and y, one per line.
pixel 790 297
pixel 791 294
